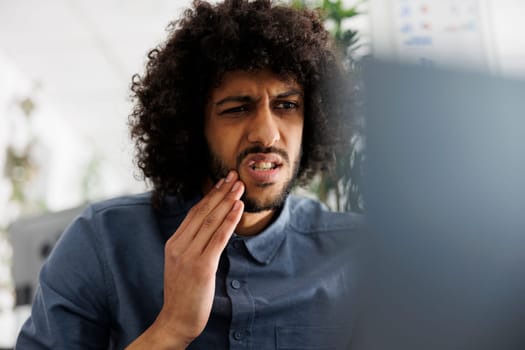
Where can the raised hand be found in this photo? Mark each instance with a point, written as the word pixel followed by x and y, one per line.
pixel 191 260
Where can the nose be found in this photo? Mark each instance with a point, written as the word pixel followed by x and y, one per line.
pixel 263 128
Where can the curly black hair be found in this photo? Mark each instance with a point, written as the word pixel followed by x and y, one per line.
pixel 167 122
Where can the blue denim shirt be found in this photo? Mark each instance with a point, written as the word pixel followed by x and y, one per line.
pixel 289 287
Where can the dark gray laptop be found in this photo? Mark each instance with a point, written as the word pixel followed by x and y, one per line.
pixel 445 195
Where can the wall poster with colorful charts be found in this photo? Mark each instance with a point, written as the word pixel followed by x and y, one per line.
pixel 477 34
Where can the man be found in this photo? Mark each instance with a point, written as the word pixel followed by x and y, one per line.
pixel 236 107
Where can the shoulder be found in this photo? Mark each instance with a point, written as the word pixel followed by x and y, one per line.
pixel 311 216
pixel 140 204
pixel 136 202
pixel 123 210
pixel 113 217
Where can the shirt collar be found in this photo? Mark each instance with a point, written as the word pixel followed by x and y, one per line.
pixel 263 246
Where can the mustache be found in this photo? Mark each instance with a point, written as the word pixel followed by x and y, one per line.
pixel 260 149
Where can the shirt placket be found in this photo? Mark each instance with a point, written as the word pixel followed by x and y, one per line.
pixel 243 307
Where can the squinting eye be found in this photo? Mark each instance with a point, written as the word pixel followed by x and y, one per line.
pixel 234 110
pixel 286 105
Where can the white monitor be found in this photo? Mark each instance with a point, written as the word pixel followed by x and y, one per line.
pixel 33 239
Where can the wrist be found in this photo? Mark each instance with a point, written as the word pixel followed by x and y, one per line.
pixel 159 337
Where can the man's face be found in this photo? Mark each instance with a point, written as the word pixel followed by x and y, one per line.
pixel 254 123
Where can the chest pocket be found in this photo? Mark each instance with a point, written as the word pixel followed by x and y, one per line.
pixel 311 338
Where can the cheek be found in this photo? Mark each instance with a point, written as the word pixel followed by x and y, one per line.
pixel 223 144
pixel 296 138
pixel 213 132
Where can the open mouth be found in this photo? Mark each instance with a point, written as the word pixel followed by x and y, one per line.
pixel 263 166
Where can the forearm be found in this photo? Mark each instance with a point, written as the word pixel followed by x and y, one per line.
pixel 157 337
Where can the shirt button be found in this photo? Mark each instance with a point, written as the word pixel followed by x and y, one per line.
pixel 237 244
pixel 236 284
pixel 237 335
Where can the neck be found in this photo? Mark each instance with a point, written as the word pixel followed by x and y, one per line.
pixel 251 223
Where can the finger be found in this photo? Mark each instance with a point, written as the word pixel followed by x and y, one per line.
pixel 216 218
pixel 193 220
pixel 212 198
pixel 220 238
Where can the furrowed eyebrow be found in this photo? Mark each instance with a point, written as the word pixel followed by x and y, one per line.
pixel 249 99
pixel 243 99
pixel 289 93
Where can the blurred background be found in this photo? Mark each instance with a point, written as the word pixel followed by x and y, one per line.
pixel 65 70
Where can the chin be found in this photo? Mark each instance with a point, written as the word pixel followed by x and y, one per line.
pixel 256 204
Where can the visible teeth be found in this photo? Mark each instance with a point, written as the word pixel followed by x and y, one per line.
pixel 263 166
